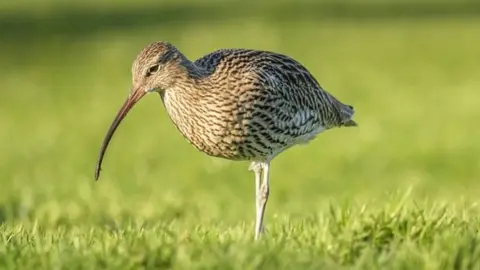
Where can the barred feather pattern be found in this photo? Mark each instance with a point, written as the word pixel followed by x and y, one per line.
pixel 240 104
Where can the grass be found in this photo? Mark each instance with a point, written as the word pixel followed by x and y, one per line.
pixel 398 192
pixel 391 237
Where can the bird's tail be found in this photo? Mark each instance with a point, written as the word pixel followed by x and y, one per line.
pixel 347 113
pixel 349 123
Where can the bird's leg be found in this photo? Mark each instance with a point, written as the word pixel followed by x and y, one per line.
pixel 264 193
pixel 261 192
pixel 256 167
pixel 258 175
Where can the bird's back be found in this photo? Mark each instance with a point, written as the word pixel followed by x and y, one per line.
pixel 282 77
pixel 262 103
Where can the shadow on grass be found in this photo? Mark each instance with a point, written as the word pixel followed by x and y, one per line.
pixel 77 22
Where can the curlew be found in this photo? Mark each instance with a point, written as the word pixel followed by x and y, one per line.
pixel 236 104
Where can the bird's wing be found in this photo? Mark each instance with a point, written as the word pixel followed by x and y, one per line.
pixel 296 91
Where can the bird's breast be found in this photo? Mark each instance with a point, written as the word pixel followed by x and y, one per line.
pixel 215 128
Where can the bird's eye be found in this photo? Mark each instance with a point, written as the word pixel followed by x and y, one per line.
pixel 152 70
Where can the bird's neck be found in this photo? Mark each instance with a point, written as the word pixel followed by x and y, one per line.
pixel 189 89
pixel 195 72
pixel 184 107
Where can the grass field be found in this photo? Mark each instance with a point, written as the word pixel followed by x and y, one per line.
pixel 398 192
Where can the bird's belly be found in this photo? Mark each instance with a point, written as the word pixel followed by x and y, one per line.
pixel 223 148
pixel 217 142
pixel 247 143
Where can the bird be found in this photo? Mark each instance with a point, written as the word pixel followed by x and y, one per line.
pixel 237 104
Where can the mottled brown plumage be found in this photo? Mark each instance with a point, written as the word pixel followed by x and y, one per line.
pixel 237 104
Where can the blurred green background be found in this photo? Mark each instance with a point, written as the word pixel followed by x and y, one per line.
pixel 410 68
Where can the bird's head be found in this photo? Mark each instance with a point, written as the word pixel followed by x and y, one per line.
pixel 156 69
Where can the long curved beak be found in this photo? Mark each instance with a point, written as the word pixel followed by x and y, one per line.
pixel 133 98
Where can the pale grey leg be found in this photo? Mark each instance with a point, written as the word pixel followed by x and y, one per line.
pixel 256 167
pixel 263 190
pixel 258 175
